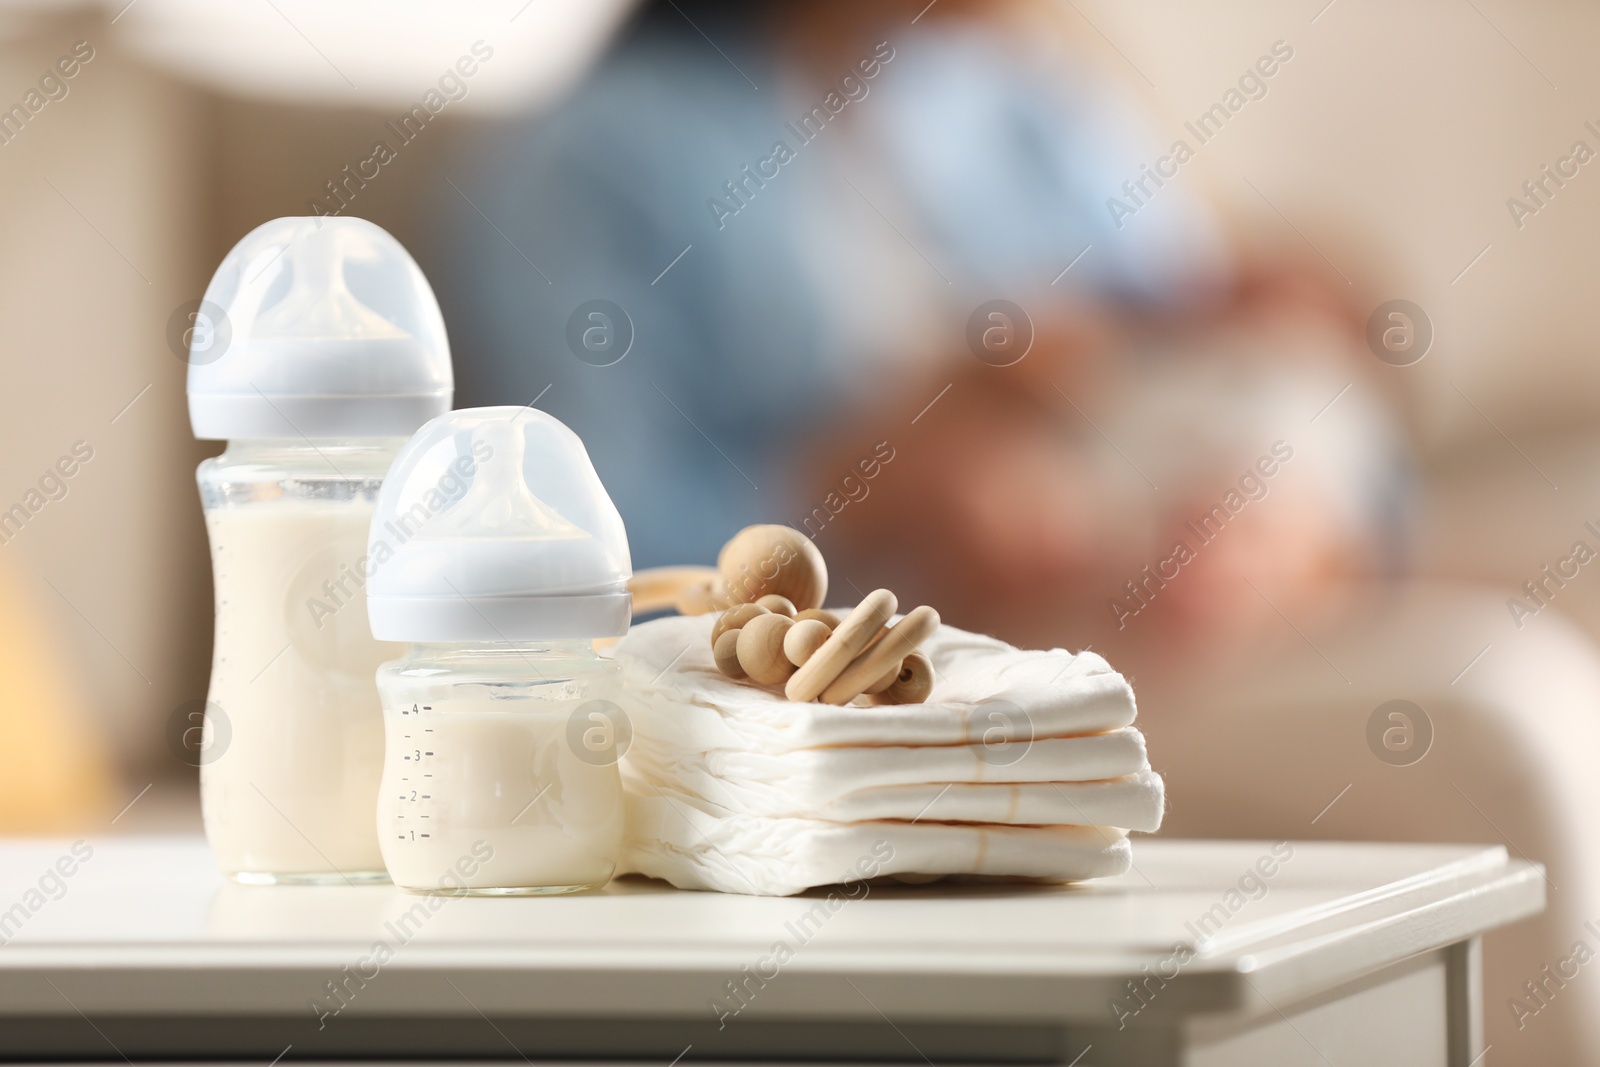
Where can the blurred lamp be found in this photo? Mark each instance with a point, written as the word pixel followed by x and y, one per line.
pixel 370 53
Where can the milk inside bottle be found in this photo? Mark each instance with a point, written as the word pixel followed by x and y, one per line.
pixel 503 733
pixel 324 349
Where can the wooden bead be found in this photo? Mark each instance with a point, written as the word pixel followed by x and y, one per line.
pixel 803 640
pixel 760 649
pixel 734 618
pixel 888 679
pixel 843 645
pixel 778 605
pixel 821 615
pixel 726 654
pixel 868 666
pixel 914 683
pixel 759 560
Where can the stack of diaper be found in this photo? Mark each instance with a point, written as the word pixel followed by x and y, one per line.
pixel 1020 765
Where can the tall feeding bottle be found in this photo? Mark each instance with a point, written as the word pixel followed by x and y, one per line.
pixel 326 353
pixel 503 560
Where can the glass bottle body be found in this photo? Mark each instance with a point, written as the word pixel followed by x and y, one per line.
pixel 500 773
pixel 293 740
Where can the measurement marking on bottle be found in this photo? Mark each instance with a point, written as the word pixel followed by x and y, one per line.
pixel 424 835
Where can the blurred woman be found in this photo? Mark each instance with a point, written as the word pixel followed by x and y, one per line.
pixel 796 213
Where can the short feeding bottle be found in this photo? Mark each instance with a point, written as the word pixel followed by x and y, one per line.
pixel 505 559
pixel 325 351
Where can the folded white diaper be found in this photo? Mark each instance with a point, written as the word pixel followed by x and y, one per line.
pixel 1021 764
pixel 977 678
pixel 1133 802
pixel 696 847
pixel 811 781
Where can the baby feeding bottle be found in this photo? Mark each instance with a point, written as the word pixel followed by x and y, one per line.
pixel 505 559
pixel 325 351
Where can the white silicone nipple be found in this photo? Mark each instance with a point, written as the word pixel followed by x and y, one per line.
pixel 499 504
pixel 319 303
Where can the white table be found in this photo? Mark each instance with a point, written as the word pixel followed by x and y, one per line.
pixel 1353 954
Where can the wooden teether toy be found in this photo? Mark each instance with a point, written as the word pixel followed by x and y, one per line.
pixel 760 649
pixel 770 583
pixel 725 651
pixel 759 562
pixel 888 678
pixel 772 560
pixel 803 640
pixel 843 645
pixel 913 684
pixel 821 615
pixel 886 654
pixel 734 618
pixel 687 590
pixel 778 605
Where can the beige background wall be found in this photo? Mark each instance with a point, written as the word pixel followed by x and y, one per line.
pixel 105 201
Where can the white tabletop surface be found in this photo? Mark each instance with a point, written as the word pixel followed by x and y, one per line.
pixel 147 925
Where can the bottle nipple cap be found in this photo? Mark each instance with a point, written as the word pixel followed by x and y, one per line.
pixel 499 503
pixel 493 526
pixel 331 331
